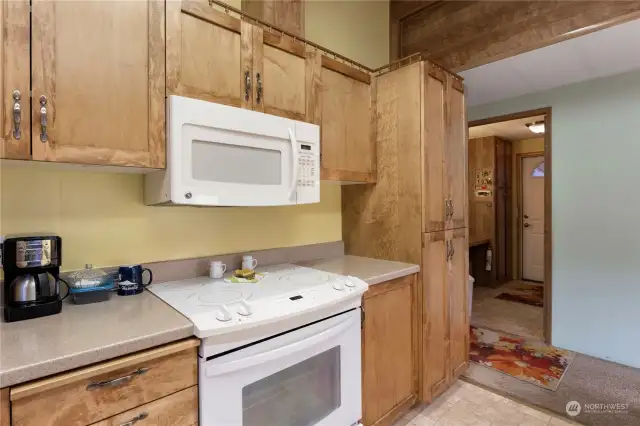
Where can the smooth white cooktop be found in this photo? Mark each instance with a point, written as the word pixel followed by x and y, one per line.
pixel 216 307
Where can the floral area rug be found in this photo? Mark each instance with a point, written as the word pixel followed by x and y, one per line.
pixel 529 294
pixel 529 360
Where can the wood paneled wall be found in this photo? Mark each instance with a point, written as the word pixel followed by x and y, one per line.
pixel 461 35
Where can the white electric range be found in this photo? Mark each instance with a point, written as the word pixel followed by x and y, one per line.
pixel 284 351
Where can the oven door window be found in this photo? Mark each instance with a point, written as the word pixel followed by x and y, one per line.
pixel 300 395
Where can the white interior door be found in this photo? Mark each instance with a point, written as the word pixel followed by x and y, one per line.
pixel 533 218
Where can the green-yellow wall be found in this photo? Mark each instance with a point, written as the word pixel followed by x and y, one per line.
pixel 101 216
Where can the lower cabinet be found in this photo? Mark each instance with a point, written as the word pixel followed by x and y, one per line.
pixel 153 387
pixel 445 325
pixel 389 351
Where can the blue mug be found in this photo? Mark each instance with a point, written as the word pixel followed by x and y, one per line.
pixel 130 280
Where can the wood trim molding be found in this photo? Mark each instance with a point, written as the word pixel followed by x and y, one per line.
pixel 74 376
pixel 345 69
pixel 548 226
pixel 282 42
pixel 203 11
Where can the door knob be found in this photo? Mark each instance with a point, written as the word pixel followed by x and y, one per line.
pixel 526 225
pixel 526 216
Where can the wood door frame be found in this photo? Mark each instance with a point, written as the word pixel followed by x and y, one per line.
pixel 548 234
pixel 519 186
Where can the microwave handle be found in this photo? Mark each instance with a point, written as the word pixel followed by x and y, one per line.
pixel 294 164
pixel 301 345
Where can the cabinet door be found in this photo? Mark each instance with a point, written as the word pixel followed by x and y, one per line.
pixel 347 143
pixel 433 110
pixel 98 79
pixel 389 350
pixel 178 409
pixel 435 315
pixel 456 152
pixel 287 15
pixel 280 76
pixel 457 287
pixel 208 54
pixel 15 131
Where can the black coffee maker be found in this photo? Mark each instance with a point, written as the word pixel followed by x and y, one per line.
pixel 31 277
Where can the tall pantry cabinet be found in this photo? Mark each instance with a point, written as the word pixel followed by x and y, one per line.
pixel 418 210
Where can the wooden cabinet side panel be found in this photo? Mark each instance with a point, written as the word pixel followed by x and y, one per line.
pixel 73 403
pixel 14 75
pixel 435 316
pixel 457 287
pixel 178 409
pixel 383 220
pixel 5 408
pixel 481 208
pixel 456 153
pixel 433 130
pixel 388 351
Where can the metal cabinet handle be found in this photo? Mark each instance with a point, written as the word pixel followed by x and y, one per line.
pixel 526 216
pixel 448 244
pixel 258 88
pixel 43 119
pixel 526 225
pixel 117 382
pixel 453 250
pixel 17 114
pixel 247 85
pixel 140 416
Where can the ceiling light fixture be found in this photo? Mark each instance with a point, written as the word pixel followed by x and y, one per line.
pixel 537 127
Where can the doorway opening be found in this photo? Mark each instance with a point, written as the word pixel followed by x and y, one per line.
pixel 510 223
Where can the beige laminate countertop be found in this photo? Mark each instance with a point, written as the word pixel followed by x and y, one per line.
pixel 85 334
pixel 373 271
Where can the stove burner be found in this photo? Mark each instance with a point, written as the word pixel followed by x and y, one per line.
pixel 221 296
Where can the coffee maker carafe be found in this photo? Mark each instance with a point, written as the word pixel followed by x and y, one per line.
pixel 31 277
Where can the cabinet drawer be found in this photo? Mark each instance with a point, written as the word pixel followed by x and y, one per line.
pixel 94 393
pixel 179 409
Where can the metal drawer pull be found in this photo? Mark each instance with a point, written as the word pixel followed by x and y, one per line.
pixel 43 118
pixel 117 382
pixel 17 115
pixel 247 85
pixel 258 88
pixel 140 416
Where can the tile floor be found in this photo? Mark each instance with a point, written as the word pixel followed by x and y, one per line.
pixel 467 405
pixel 515 318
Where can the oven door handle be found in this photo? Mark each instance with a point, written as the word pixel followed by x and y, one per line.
pixel 299 346
pixel 294 164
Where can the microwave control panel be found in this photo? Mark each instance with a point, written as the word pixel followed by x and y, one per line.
pixel 308 187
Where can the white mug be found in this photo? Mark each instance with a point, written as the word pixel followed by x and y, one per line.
pixel 217 269
pixel 248 262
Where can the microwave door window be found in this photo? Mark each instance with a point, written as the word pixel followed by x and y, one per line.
pixel 236 164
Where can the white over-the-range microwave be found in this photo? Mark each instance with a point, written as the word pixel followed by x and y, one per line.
pixel 218 155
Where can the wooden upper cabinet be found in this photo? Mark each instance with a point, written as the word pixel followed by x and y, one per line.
pixel 209 54
pixel 15 131
pixel 445 199
pixel 456 153
pixel 434 197
pixel 287 15
pixel 280 68
pixel 347 140
pixel 98 81
pixel 389 350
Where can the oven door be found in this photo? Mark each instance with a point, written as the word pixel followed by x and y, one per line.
pixel 225 156
pixel 307 377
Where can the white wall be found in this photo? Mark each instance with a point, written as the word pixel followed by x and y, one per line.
pixel 596 212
